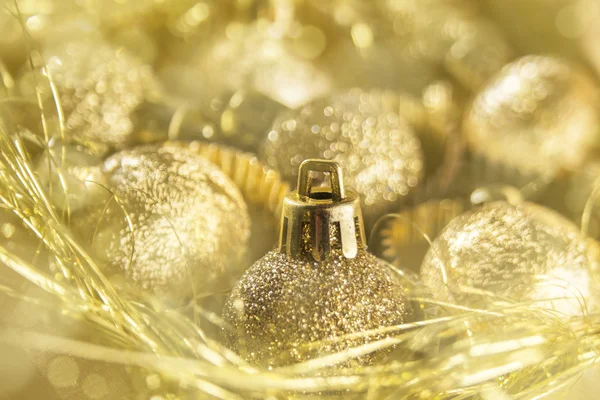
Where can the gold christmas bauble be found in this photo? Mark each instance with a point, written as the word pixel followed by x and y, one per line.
pixel 261 56
pixel 407 43
pixel 99 88
pixel 379 152
pixel 519 253
pixel 299 301
pixel 370 49
pixel 452 33
pixel 538 115
pixel 176 225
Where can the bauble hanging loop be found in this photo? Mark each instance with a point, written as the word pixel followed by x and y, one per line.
pixel 321 212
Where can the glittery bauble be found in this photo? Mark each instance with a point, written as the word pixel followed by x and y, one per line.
pixel 99 87
pixel 517 252
pixel 299 301
pixel 186 227
pixel 377 149
pixel 281 305
pixel 537 115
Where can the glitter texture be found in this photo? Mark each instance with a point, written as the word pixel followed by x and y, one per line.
pixel 524 117
pixel 521 253
pixel 380 155
pixel 99 87
pixel 190 223
pixel 281 305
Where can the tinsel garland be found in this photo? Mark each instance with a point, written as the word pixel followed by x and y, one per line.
pixel 514 348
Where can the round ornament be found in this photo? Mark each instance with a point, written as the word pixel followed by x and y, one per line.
pixel 520 253
pixel 406 44
pixel 176 225
pixel 99 88
pixel 300 300
pixel 378 150
pixel 537 116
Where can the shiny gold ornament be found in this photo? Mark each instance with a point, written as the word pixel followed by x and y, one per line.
pixel 176 226
pixel 99 88
pixel 537 116
pixel 519 253
pixel 263 190
pixel 319 285
pixel 378 150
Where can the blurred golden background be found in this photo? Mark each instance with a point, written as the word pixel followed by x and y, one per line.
pixel 149 150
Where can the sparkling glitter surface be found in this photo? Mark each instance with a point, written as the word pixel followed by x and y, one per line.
pixel 281 305
pixel 524 117
pixel 190 223
pixel 99 86
pixel 380 155
pixel 521 253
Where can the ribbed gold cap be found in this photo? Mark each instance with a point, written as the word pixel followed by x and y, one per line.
pixel 314 219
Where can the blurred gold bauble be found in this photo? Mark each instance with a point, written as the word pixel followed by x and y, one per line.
pixel 378 150
pixel 366 51
pixel 261 57
pixel 183 226
pixel 297 302
pixel 99 87
pixel 455 34
pixel 538 115
pixel 519 253
pixel 476 52
pixel 405 44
